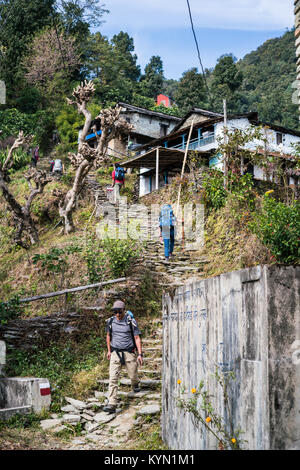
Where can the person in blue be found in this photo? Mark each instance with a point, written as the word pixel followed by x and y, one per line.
pixel 167 229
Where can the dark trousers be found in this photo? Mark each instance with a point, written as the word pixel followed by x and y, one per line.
pixel 168 236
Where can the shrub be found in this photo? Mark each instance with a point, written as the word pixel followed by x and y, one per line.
pixel 278 227
pixel 10 310
pixel 239 189
pixel 109 257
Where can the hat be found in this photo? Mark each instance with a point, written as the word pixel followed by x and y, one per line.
pixel 118 304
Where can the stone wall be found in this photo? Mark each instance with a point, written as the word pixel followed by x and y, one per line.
pixel 246 321
pixel 23 334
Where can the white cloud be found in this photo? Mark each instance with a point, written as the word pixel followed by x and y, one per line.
pixel 226 14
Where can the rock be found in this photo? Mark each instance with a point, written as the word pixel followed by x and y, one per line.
pixel 78 441
pixel 93 437
pixel 54 416
pixel 89 412
pixel 90 427
pixel 47 424
pixel 99 394
pixel 59 428
pixel 79 405
pixel 104 417
pixel 71 418
pixel 154 396
pixel 137 395
pixel 87 417
pixel 149 410
pixel 70 409
pixel 94 404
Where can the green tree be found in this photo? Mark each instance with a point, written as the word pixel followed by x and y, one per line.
pixel 123 54
pixel 191 91
pixel 153 78
pixel 225 82
pixel 19 22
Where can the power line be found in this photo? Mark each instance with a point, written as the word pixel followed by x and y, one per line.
pixel 199 56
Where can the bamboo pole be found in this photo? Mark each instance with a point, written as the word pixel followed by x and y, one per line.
pixel 225 141
pixel 157 169
pixel 74 289
pixel 182 173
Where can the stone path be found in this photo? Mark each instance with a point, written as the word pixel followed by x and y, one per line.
pixel 101 430
pixel 111 431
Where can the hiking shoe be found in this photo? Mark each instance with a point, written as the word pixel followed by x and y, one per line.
pixel 109 408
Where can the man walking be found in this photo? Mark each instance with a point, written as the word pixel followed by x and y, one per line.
pixel 123 344
pixel 167 229
pixel 118 180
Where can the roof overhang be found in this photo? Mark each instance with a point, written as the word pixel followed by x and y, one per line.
pixel 168 158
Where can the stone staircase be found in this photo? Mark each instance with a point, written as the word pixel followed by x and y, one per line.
pixel 101 430
pixel 111 431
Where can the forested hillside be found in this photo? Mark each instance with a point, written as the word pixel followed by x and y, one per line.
pixel 269 75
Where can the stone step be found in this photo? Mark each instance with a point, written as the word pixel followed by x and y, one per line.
pixel 143 383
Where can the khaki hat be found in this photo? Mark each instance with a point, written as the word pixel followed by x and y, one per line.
pixel 118 304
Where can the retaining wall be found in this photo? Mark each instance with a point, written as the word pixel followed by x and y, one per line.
pixel 246 321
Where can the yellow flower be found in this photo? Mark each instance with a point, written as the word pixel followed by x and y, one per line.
pixel 193 390
pixel 233 441
pixel 269 192
pixel 179 381
pixel 208 419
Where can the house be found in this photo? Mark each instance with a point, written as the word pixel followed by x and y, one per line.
pixel 147 125
pixel 163 157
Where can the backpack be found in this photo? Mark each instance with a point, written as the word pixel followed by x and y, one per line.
pixel 166 217
pixel 36 153
pixel 130 318
pixel 57 165
pixel 119 174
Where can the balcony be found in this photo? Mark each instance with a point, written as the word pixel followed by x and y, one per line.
pixel 197 143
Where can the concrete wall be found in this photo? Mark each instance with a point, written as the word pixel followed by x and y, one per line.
pixel 246 321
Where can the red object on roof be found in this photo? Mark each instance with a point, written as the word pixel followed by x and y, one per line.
pixel 164 100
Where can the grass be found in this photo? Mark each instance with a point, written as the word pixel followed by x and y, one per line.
pixel 71 368
pixel 146 435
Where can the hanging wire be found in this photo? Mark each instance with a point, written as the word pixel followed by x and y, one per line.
pixel 199 56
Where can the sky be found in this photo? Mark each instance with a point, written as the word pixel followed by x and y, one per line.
pixel 162 27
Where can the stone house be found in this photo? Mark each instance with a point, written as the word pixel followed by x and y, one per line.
pixel 163 157
pixel 147 125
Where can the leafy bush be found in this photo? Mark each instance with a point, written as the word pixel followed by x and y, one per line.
pixel 10 310
pixel 215 193
pixel 21 158
pixel 40 124
pixel 96 261
pixel 121 254
pixel 109 257
pixel 239 188
pixel 278 227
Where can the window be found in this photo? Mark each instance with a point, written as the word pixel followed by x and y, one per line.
pixel 279 138
pixel 163 130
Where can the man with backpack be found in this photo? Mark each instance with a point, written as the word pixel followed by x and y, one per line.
pixel 58 167
pixel 167 229
pixel 118 177
pixel 124 347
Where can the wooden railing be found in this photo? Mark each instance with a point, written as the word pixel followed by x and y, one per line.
pixel 72 290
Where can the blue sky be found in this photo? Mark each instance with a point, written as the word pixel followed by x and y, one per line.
pixel 162 27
